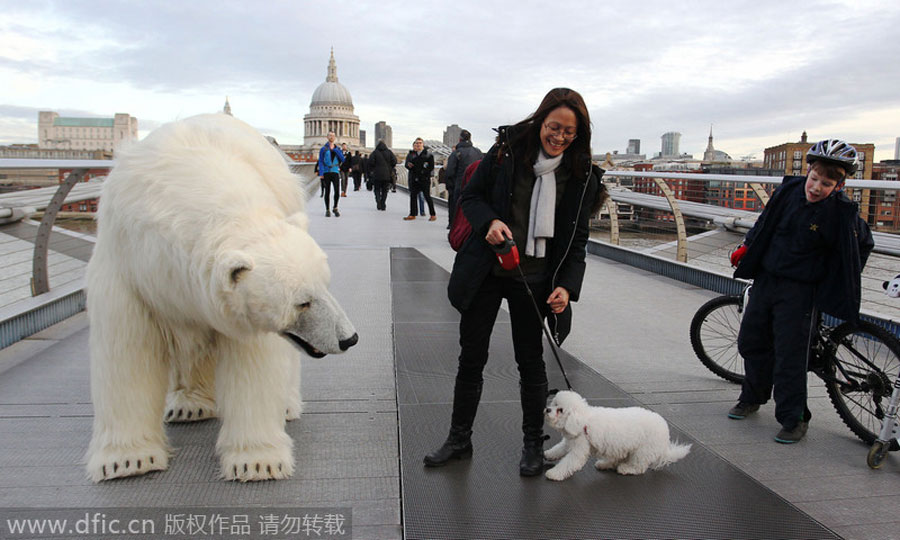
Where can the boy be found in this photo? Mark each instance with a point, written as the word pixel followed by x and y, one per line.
pixel 805 254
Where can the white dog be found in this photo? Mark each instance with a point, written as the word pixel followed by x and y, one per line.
pixel 629 440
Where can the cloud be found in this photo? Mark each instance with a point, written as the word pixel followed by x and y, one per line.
pixel 755 70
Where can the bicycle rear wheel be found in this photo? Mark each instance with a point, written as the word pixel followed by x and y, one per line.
pixel 714 333
pixel 860 392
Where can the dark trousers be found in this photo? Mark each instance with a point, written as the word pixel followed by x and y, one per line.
pixel 451 204
pixel 416 187
pixel 477 323
pixel 357 181
pixel 381 191
pixel 775 337
pixel 331 180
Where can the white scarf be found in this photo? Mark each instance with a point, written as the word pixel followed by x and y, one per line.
pixel 543 205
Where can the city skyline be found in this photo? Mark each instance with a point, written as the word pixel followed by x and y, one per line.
pixel 760 72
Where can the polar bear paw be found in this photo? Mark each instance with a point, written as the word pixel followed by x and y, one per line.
pixel 118 462
pixel 255 464
pixel 184 406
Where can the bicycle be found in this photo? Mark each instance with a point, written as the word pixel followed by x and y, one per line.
pixel 854 361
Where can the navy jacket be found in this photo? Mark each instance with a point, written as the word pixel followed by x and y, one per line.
pixel 488 196
pixel 839 292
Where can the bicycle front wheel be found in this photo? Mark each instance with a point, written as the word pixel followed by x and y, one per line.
pixel 860 385
pixel 714 333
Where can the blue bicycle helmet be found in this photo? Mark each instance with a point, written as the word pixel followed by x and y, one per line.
pixel 835 151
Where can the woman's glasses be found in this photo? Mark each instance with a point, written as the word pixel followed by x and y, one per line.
pixel 557 130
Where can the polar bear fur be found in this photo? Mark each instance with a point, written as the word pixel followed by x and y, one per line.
pixel 205 283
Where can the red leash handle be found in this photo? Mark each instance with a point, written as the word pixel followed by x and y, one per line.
pixel 507 253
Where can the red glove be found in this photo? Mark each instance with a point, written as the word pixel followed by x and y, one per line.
pixel 737 255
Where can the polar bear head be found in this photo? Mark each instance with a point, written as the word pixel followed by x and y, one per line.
pixel 278 283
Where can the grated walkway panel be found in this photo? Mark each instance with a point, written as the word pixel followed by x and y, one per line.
pixel 702 496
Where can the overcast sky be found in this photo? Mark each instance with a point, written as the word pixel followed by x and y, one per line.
pixel 760 72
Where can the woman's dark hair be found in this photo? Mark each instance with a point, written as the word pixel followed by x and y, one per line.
pixel 527 133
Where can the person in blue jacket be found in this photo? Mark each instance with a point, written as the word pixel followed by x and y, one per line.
pixel 330 159
pixel 805 254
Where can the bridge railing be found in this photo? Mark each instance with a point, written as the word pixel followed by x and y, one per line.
pixel 698 219
pixel 671 223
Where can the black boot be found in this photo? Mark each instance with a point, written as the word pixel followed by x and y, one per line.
pixel 458 445
pixel 534 399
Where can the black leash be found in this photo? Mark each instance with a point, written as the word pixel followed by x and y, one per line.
pixel 553 346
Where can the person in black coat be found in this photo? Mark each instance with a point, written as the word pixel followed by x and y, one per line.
pixel 538 187
pixel 462 156
pixel 419 166
pixel 345 169
pixel 381 165
pixel 805 254
pixel 356 170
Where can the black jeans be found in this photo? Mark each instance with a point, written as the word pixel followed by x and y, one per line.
pixel 477 323
pixel 451 204
pixel 381 191
pixel 416 187
pixel 332 179
pixel 775 340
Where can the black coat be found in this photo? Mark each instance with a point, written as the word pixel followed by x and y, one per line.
pixel 464 155
pixel 381 162
pixel 838 294
pixel 419 167
pixel 488 196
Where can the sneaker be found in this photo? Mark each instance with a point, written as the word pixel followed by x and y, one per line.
pixel 336 213
pixel 343 194
pixel 432 218
pixel 741 410
pixel 409 218
pixel 327 213
pixel 790 436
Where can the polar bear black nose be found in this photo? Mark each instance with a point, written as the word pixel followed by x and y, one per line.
pixel 345 344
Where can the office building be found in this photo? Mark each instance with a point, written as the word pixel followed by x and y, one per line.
pixel 383 132
pixel 634 146
pixel 671 142
pixel 57 132
pixel 451 135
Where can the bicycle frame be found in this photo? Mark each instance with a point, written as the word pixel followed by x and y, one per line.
pixel 825 351
pixel 889 428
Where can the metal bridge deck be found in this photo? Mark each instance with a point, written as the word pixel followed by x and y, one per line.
pixel 630 337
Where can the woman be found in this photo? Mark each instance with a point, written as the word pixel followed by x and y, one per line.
pixel 538 187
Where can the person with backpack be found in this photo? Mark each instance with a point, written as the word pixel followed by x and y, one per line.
pixel 381 166
pixel 463 155
pixel 538 187
pixel 460 229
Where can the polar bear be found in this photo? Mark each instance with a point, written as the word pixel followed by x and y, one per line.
pixel 204 281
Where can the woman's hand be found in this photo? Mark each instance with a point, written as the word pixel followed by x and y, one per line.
pixel 496 231
pixel 558 300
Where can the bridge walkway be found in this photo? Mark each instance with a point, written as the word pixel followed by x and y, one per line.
pixel 629 342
